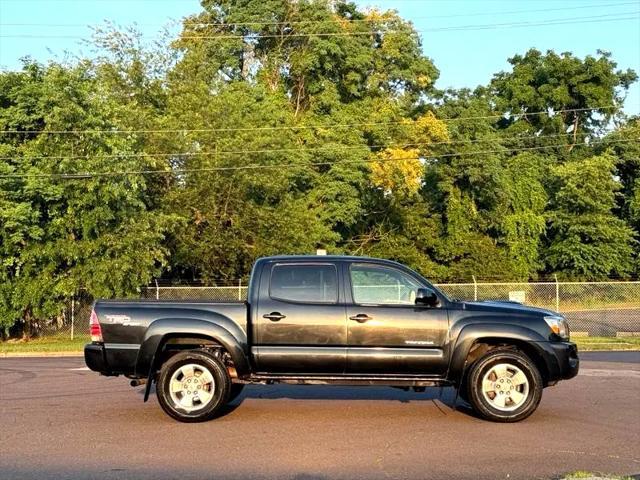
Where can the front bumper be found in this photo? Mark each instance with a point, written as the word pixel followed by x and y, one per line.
pixel 95 358
pixel 568 363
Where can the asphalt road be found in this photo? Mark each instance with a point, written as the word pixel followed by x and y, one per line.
pixel 58 421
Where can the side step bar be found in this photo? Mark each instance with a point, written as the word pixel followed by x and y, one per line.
pixel 349 380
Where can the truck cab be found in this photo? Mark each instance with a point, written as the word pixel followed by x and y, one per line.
pixel 345 315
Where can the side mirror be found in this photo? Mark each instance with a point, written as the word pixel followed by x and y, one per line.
pixel 426 296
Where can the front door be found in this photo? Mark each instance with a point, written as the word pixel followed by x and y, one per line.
pixel 387 332
pixel 301 321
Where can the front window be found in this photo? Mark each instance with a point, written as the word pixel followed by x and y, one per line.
pixel 376 284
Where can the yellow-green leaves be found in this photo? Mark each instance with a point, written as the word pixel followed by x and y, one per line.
pixel 397 171
pixel 400 170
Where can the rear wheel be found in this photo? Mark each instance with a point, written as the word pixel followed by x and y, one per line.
pixel 504 385
pixel 193 386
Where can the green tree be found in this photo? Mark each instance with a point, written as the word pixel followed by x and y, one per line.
pixel 279 127
pixel 475 192
pixel 552 82
pixel 267 76
pixel 523 220
pixel 586 240
pixel 624 142
pixel 59 234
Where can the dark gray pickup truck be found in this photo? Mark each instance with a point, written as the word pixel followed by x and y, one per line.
pixel 333 320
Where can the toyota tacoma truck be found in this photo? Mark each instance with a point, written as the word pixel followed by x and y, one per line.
pixel 333 320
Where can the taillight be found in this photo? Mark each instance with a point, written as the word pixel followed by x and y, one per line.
pixel 94 328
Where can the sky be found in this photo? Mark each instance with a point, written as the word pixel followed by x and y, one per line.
pixel 493 30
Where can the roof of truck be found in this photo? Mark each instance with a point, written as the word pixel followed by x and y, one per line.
pixel 317 257
pixel 326 258
pixel 336 258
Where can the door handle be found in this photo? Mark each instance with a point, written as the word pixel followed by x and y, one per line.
pixel 360 318
pixel 274 316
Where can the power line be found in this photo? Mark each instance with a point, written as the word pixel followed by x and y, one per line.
pixel 187 22
pixel 589 19
pixel 283 150
pixel 549 22
pixel 178 171
pixel 298 127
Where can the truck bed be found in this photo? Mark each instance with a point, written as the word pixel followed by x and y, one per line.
pixel 127 324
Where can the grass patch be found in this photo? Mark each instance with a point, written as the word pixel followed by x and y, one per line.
pixel 581 474
pixel 578 474
pixel 45 345
pixel 587 344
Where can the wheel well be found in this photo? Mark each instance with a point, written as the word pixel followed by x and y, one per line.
pixel 483 345
pixel 180 343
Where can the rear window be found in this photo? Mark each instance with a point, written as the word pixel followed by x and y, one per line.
pixel 304 283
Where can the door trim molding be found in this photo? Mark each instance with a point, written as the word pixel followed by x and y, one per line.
pixel 396 352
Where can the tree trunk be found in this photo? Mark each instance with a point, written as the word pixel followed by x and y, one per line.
pixel 248 55
pixel 28 324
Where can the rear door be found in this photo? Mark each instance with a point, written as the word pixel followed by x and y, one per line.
pixel 301 319
pixel 387 332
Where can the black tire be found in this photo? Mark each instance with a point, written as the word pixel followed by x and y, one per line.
pixel 482 405
pixel 219 389
pixel 236 389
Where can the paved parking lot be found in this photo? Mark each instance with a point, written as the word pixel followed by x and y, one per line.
pixel 58 421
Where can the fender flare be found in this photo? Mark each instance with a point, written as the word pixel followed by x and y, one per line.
pixel 471 333
pixel 218 328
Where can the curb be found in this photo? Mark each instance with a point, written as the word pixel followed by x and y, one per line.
pixel 40 354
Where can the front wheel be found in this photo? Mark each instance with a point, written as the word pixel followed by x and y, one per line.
pixel 504 386
pixel 193 386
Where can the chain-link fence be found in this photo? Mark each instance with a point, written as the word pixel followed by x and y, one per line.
pixel 214 294
pixel 595 309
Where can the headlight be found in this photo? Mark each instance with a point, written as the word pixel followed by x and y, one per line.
pixel 558 325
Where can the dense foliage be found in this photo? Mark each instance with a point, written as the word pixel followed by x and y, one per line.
pixel 281 127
